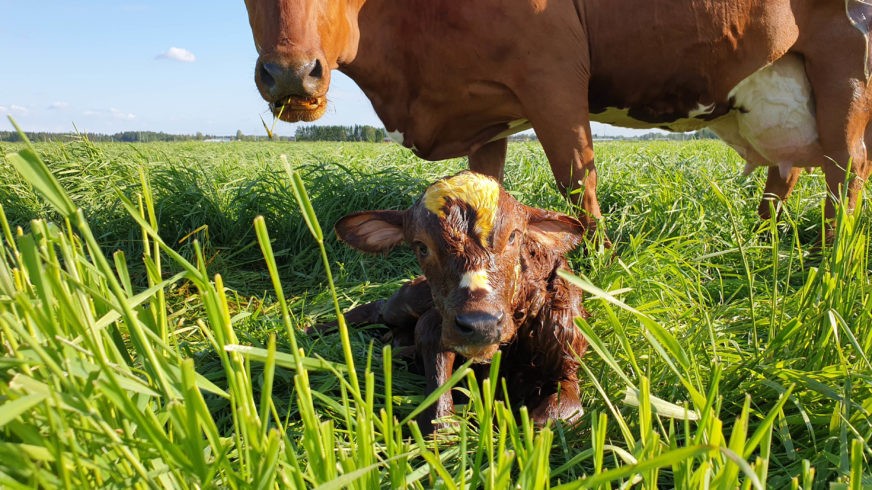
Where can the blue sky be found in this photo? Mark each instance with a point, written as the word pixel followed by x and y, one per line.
pixel 103 66
pixel 110 66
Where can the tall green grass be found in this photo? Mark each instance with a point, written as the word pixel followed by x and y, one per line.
pixel 718 359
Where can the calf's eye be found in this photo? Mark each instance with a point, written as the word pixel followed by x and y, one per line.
pixel 420 249
pixel 514 237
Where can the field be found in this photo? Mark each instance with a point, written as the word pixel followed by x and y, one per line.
pixel 152 299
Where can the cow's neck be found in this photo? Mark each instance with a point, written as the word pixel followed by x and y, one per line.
pixel 381 60
pixel 404 55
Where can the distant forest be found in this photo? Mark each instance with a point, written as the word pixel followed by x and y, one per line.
pixel 340 133
pixel 303 133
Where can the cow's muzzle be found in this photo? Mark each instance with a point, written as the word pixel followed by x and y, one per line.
pixel 296 91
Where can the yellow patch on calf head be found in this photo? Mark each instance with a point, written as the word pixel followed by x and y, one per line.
pixel 480 192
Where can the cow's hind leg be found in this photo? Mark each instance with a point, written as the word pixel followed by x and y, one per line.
pixel 777 190
pixel 835 54
pixel 490 159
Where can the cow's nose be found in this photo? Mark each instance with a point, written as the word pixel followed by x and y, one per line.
pixel 302 79
pixel 479 326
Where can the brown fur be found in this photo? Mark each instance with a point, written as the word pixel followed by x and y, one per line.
pixel 451 75
pixel 539 342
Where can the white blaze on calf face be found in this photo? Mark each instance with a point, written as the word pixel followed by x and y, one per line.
pixel 476 281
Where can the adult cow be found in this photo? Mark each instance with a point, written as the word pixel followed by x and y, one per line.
pixel 784 82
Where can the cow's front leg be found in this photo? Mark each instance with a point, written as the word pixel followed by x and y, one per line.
pixel 563 129
pixel 490 159
pixel 438 364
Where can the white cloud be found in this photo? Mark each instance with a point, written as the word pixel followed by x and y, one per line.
pixel 111 113
pixel 18 110
pixel 59 106
pixel 177 54
pixel 118 114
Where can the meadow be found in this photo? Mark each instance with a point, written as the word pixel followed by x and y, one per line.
pixel 153 296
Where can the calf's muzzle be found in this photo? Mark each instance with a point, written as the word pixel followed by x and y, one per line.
pixel 479 327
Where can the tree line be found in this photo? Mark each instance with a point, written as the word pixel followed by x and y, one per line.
pixel 124 136
pixel 340 133
pixel 303 133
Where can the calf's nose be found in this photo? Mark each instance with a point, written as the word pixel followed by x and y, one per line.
pixel 300 79
pixel 479 326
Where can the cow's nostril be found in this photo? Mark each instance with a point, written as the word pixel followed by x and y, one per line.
pixel 266 74
pixel 317 70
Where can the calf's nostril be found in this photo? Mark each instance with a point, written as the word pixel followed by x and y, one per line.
pixel 465 324
pixel 478 326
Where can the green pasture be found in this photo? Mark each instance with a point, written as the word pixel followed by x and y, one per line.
pixel 153 296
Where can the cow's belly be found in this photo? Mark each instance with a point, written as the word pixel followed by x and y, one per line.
pixel 621 117
pixel 771 122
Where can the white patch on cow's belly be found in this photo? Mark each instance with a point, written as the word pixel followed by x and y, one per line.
pixel 515 127
pixel 396 137
pixel 701 110
pixel 774 123
pixel 620 117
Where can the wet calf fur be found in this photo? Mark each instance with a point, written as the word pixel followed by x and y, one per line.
pixel 489 283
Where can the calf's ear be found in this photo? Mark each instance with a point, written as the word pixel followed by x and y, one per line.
pixel 554 231
pixel 371 231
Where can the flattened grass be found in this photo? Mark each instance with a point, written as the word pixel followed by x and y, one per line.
pixel 721 356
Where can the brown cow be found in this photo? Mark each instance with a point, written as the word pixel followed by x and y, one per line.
pixel 490 283
pixel 784 82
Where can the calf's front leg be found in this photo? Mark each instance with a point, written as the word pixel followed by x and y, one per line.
pixel 438 364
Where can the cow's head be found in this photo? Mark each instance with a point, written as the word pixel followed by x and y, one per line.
pixel 299 42
pixel 473 241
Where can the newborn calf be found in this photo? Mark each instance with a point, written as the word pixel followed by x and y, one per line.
pixel 490 283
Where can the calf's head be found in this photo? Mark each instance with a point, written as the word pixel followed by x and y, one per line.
pixel 473 242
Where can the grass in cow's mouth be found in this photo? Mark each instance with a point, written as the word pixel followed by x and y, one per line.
pixel 294 109
pixel 297 103
pixel 152 338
